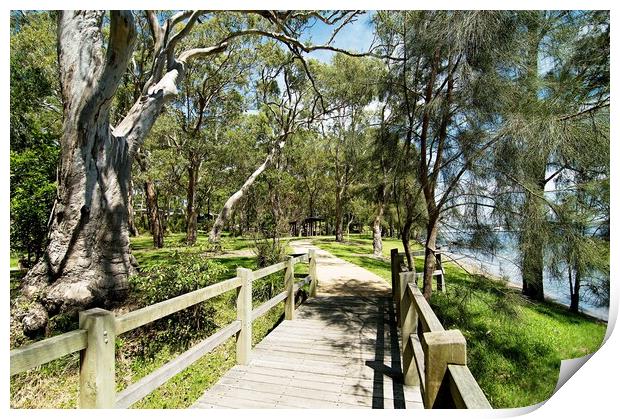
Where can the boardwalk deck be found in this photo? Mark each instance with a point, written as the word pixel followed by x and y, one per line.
pixel 341 351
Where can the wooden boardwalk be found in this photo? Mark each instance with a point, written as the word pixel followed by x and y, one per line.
pixel 341 351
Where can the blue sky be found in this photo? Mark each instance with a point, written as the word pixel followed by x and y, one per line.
pixel 355 36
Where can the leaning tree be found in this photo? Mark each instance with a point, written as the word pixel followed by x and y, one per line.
pixel 88 261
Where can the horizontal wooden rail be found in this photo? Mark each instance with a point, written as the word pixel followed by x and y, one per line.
pixel 38 353
pixel 148 384
pixel 430 322
pixel 268 305
pixel 465 390
pixel 271 303
pixel 157 311
pixel 271 269
pixel 98 329
pixel 434 359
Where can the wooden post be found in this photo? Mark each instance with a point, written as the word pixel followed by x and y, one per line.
pixel 440 349
pixel 393 255
pixel 440 277
pixel 314 280
pixel 404 279
pixel 97 367
pixel 395 262
pixel 244 314
pixel 289 280
pixel 409 326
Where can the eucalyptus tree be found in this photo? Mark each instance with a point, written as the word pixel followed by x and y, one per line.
pixel 383 165
pixel 285 111
pixel 87 260
pixel 211 99
pixel 348 85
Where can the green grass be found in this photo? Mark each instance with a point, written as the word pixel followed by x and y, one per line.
pixel 146 255
pixel 514 346
pixel 14 261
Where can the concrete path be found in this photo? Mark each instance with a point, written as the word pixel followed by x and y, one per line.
pixel 341 351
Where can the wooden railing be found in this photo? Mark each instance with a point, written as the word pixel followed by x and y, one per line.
pixel 434 359
pixel 95 339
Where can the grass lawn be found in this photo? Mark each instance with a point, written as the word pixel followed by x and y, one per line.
pixel 514 346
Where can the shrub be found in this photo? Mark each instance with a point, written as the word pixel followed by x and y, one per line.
pixel 186 272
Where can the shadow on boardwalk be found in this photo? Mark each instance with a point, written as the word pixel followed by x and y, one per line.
pixel 341 351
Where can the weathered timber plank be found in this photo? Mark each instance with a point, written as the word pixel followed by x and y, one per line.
pixel 353 358
pixel 339 385
pixel 271 269
pixel 366 353
pixel 154 312
pixel 146 385
pixel 23 359
pixel 306 376
pixel 465 390
pixel 268 305
pixel 222 402
pixel 430 322
pixel 418 356
pixel 271 394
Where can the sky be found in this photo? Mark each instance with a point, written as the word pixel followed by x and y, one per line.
pixel 355 36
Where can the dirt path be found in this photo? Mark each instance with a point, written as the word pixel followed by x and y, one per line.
pixel 339 277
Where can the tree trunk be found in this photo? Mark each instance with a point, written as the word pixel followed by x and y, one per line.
pixel 131 221
pixel 87 260
pixel 339 217
pixel 429 257
pixel 532 242
pixel 224 214
pixel 574 289
pixel 192 212
pixel 531 236
pixel 152 207
pixel 405 238
pixel 377 243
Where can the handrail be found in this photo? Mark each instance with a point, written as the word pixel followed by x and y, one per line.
pixel 31 356
pixel 148 314
pixel 433 358
pixel 148 384
pixel 428 318
pixel 98 329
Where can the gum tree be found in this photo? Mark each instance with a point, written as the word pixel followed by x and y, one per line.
pixel 87 260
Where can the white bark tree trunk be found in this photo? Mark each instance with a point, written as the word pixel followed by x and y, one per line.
pixel 88 261
pixel 231 202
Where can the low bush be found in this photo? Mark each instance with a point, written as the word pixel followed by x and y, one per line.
pixel 186 272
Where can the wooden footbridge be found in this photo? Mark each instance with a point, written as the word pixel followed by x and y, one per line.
pixel 357 342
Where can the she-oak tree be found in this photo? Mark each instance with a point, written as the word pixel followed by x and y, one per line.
pixel 87 260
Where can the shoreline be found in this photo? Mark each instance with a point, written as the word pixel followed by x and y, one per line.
pixel 477 267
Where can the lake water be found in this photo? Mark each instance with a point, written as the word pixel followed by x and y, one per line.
pixel 505 264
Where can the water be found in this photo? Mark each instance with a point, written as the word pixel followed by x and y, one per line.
pixel 505 264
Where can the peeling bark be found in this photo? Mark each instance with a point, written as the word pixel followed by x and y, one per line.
pixel 88 260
